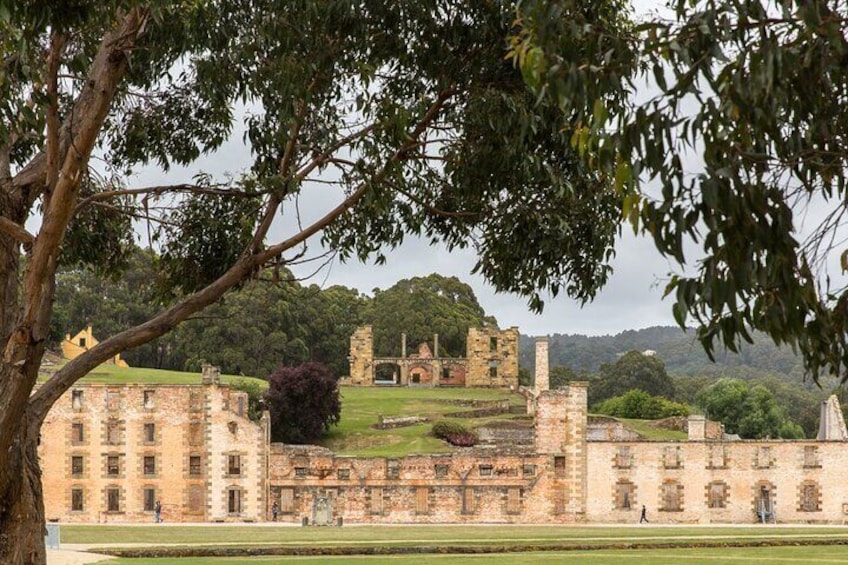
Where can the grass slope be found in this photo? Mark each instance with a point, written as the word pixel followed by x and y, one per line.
pixel 361 407
pixel 112 374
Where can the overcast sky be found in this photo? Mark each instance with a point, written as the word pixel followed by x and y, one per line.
pixel 631 300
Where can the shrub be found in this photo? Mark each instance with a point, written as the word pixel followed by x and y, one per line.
pixel 454 433
pixel 639 404
pixel 303 402
pixel 443 428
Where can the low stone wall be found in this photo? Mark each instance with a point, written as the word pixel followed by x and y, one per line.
pixel 391 422
pixel 609 429
pixel 506 435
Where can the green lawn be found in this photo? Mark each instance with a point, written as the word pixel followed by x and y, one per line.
pixel 112 374
pixel 809 555
pixel 647 431
pixel 361 407
pixel 455 535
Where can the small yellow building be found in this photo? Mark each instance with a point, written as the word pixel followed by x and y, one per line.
pixel 73 347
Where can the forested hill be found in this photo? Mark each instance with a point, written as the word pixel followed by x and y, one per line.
pixel 261 325
pixel 679 350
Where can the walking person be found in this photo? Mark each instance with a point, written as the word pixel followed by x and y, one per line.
pixel 644 516
pixel 157 512
pixel 275 510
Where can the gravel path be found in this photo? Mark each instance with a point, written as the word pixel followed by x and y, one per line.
pixel 68 557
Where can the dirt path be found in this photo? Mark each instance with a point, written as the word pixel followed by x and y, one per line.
pixel 68 557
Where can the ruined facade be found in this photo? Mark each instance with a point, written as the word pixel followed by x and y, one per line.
pixel 491 361
pixel 563 478
pixel 108 453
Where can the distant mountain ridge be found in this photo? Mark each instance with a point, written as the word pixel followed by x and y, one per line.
pixel 679 350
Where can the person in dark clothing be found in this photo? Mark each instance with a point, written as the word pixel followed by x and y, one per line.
pixel 275 510
pixel 157 512
pixel 644 516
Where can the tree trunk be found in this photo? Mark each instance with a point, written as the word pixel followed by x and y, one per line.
pixel 22 508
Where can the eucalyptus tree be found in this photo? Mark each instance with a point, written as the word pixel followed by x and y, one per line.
pixel 405 115
pixel 741 124
pixel 420 307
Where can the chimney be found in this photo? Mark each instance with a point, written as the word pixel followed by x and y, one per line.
pixel 436 345
pixel 403 345
pixel 210 374
pixel 542 379
pixel 696 427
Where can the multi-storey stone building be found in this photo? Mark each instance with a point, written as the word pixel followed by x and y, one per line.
pixel 109 452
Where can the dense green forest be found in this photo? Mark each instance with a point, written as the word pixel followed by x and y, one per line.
pixel 270 321
pixel 276 320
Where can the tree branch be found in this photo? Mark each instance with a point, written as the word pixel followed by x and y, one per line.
pixel 57 42
pixel 16 231
pixel 285 166
pixel 91 106
pixel 64 378
pixel 160 190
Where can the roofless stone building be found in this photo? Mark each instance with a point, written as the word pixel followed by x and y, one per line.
pixel 491 361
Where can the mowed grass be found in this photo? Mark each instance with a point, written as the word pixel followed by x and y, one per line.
pixel 811 555
pixel 648 431
pixel 362 407
pixel 447 535
pixel 112 374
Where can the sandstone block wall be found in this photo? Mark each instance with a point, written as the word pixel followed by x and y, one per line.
pixel 179 445
pixel 492 361
pixel 362 356
pixel 718 482
pixel 542 380
pixel 464 487
pixel 135 444
pixel 492 358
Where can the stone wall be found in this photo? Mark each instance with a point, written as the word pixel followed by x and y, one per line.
pixel 362 356
pixel 542 379
pixel 717 482
pixel 505 436
pixel 492 362
pixel 601 428
pixel 492 358
pixel 559 476
pixel 464 487
pixel 141 443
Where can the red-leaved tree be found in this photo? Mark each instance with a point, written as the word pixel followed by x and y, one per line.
pixel 303 401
